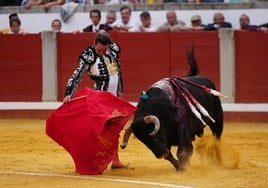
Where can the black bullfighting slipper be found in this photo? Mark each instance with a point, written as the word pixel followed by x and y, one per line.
pixel 121 166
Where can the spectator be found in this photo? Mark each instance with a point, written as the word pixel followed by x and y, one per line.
pixel 110 17
pixel 95 16
pixel 6 29
pixel 146 25
pixel 196 22
pixel 126 23
pixel 45 3
pixel 172 24
pixel 244 22
pixel 56 25
pixel 14 27
pixel 218 23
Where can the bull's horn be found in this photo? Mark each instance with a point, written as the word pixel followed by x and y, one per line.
pixel 155 121
pixel 126 137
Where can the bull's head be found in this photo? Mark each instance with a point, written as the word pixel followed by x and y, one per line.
pixel 147 131
pixel 147 119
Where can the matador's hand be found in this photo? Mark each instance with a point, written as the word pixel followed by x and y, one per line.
pixel 120 95
pixel 66 99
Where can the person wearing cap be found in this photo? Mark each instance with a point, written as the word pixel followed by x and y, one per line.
pixel 196 20
pixel 197 23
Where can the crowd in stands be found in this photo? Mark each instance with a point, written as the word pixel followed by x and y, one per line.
pixel 128 24
pixel 48 3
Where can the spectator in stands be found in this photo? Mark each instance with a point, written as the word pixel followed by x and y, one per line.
pixel 56 25
pixel 45 3
pixel 6 29
pixel 219 22
pixel 244 22
pixel 14 27
pixel 172 24
pixel 126 23
pixel 110 17
pixel 196 21
pixel 146 25
pixel 95 16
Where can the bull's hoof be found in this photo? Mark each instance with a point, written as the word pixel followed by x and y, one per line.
pixel 182 167
pixel 123 146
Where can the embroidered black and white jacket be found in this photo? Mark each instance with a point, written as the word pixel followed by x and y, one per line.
pixel 97 68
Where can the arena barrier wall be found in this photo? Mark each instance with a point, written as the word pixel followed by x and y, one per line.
pixel 21 67
pixel 36 67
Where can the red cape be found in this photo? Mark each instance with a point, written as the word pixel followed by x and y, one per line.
pixel 88 128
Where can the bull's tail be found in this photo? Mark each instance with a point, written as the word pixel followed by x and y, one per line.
pixel 192 63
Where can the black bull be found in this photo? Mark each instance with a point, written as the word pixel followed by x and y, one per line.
pixel 164 118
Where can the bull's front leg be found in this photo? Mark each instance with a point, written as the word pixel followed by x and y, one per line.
pixel 173 161
pixel 185 147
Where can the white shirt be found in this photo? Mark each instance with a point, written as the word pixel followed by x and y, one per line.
pixel 95 28
pixel 134 24
pixel 152 28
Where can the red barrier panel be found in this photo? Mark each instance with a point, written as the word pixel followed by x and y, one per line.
pixel 145 57
pixel 70 47
pixel 206 53
pixel 21 67
pixel 251 67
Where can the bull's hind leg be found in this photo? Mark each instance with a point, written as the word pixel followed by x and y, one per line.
pixel 185 149
pixel 217 127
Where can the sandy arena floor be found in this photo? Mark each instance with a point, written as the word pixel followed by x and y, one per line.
pixel 29 158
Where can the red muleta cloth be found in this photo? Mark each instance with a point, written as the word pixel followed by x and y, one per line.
pixel 88 127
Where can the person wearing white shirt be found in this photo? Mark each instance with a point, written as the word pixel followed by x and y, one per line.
pixel 126 23
pixel 146 25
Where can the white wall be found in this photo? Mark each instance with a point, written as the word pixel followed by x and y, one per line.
pixel 35 23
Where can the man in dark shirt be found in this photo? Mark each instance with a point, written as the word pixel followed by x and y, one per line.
pixel 95 16
pixel 244 22
pixel 218 23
